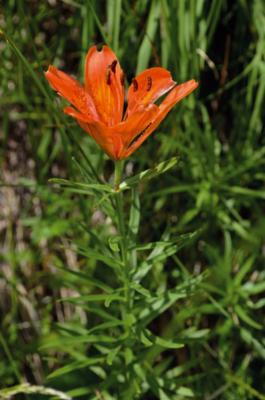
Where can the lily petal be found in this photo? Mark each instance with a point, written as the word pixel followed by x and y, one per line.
pixel 100 133
pixel 148 86
pixel 115 140
pixel 177 94
pixel 132 128
pixel 104 81
pixel 77 115
pixel 71 90
pixel 95 129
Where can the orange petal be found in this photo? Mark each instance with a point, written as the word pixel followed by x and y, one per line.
pixel 126 132
pixel 71 90
pixel 177 94
pixel 105 83
pixel 114 140
pixel 101 134
pixel 148 86
pixel 77 115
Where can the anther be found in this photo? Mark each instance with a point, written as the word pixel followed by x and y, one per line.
pixel 122 78
pixel 135 84
pixel 138 137
pixel 113 66
pixel 149 83
pixel 108 77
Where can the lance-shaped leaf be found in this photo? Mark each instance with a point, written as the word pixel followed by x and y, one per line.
pixel 148 174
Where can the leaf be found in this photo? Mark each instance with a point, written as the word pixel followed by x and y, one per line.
pixel 192 334
pixel 114 243
pixel 97 256
pixel 112 355
pixel 253 342
pixel 184 391
pixel 244 269
pixel 161 251
pixel 68 341
pixel 146 45
pixel 31 389
pixel 181 369
pixel 155 257
pixel 134 220
pixel 163 395
pixel 107 298
pixel 73 330
pixel 244 385
pixel 254 288
pixel 75 366
pixel 134 223
pixel 35 78
pixel 246 318
pixel 260 194
pixel 140 289
pixel 149 339
pixel 99 311
pixel 148 174
pixel 151 245
pixel 114 17
pixel 80 187
pixel 154 306
pixel 259 304
pixel 85 278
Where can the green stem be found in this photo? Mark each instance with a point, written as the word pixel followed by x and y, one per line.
pixel 118 174
pixel 122 232
pixel 128 394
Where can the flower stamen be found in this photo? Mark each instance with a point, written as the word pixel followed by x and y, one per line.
pixel 108 77
pixel 113 66
pixel 149 83
pixel 122 78
pixel 135 85
pixel 137 137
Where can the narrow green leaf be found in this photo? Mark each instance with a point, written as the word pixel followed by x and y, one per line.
pixel 161 251
pixel 76 365
pixel 84 187
pixel 157 305
pixel 185 392
pixel 26 388
pixel 107 298
pixel 97 256
pixel 85 278
pixel 254 288
pixel 148 339
pixel 149 173
pixel 242 314
pixel 147 43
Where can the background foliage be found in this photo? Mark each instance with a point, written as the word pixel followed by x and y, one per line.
pixel 204 217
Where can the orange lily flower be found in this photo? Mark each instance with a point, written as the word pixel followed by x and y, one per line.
pixel 98 106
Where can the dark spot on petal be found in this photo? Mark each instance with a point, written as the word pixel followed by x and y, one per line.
pixel 138 136
pixel 135 84
pixel 113 66
pixel 108 77
pixel 122 78
pixel 149 83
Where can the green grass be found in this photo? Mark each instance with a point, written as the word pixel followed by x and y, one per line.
pixel 195 231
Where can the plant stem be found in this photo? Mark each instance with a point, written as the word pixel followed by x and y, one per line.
pixel 122 232
pixel 126 311
pixel 118 173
